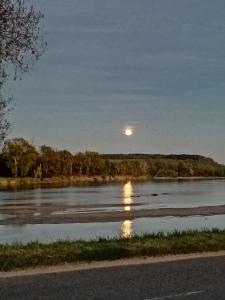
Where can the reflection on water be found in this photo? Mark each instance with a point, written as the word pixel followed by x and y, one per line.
pixel 127 229
pixel 53 232
pixel 114 197
pixel 127 194
pixel 127 226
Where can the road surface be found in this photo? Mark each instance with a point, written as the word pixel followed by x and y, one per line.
pixel 191 279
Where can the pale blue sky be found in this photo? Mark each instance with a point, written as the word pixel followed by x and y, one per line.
pixel 157 65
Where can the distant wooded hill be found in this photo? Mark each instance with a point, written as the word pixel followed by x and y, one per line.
pixel 184 157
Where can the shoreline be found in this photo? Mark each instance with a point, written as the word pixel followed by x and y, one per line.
pixel 29 182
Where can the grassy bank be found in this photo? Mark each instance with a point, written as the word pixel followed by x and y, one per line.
pixel 29 182
pixel 64 180
pixel 36 254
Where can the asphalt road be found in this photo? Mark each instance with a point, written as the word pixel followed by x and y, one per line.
pixel 201 278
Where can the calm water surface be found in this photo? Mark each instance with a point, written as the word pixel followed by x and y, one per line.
pixel 151 194
pixel 128 196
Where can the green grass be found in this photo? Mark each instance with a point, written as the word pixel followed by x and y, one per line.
pixel 35 254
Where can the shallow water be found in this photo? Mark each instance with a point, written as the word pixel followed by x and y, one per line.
pixel 52 232
pixel 113 197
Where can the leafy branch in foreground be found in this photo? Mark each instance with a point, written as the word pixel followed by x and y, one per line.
pixel 21 45
pixel 4 111
pixel 21 38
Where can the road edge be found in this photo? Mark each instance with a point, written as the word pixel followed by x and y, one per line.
pixel 108 264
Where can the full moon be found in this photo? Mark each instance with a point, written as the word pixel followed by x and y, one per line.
pixel 128 132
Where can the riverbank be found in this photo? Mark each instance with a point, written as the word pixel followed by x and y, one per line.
pixel 34 254
pixel 29 182
pixel 64 180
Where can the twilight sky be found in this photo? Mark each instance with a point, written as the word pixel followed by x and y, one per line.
pixel 157 65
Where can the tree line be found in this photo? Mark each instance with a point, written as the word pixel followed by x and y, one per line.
pixel 20 158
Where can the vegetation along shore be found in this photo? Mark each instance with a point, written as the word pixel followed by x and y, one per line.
pixel 34 254
pixel 21 163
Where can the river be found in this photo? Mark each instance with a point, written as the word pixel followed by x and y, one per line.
pixel 22 210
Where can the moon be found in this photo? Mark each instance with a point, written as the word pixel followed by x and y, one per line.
pixel 128 132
